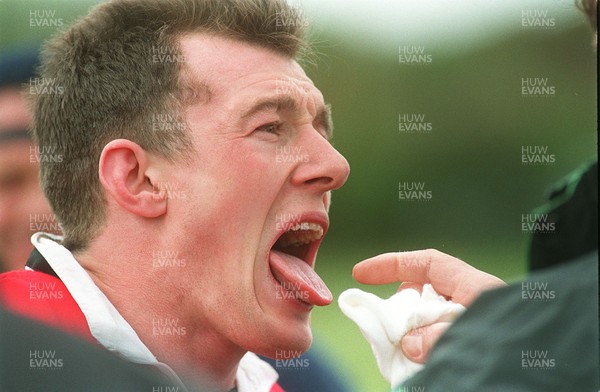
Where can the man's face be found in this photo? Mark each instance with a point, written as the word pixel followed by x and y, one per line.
pixel 262 167
pixel 22 203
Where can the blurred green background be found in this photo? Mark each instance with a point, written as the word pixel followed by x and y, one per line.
pixel 470 92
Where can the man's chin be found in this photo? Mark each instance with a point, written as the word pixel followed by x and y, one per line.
pixel 288 341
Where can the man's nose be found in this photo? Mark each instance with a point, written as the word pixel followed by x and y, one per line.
pixel 323 168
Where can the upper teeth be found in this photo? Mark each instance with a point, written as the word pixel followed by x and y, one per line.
pixel 306 226
pixel 301 234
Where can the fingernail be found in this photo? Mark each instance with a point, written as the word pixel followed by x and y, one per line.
pixel 412 346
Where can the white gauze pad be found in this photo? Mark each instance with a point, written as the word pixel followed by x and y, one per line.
pixel 384 322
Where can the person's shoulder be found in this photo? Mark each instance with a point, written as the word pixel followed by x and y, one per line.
pixel 25 286
pixel 35 357
pixel 44 298
pixel 575 277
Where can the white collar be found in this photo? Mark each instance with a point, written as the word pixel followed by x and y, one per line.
pixel 114 332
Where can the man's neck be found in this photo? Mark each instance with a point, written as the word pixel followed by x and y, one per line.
pixel 161 321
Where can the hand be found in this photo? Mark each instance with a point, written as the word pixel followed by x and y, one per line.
pixel 449 276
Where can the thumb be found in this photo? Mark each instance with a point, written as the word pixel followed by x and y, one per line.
pixel 417 343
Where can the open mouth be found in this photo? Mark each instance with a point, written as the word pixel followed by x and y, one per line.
pixel 299 240
pixel 291 260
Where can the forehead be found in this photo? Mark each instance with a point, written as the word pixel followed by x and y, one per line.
pixel 229 66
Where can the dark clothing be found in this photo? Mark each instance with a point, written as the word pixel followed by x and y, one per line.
pixel 573 209
pixel 35 357
pixel 537 335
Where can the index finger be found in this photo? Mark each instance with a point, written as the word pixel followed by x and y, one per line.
pixel 448 275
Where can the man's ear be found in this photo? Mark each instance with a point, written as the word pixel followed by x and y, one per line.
pixel 125 173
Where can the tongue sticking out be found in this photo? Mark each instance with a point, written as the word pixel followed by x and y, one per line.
pixel 296 276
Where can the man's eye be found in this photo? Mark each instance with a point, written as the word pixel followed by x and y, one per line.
pixel 270 128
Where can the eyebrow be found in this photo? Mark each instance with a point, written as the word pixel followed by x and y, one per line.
pixel 323 117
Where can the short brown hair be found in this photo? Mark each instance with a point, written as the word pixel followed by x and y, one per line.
pixel 108 85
